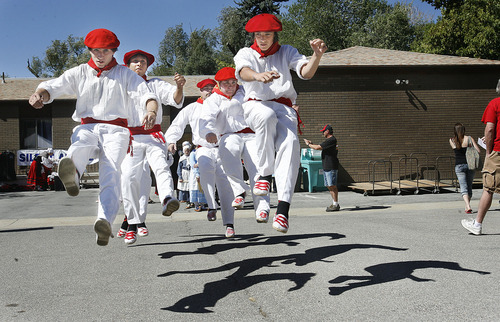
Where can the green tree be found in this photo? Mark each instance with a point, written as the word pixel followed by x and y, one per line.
pixel 172 54
pixel 333 21
pixel 188 55
pixel 60 56
pixel 471 29
pixel 444 4
pixel 395 29
pixel 201 53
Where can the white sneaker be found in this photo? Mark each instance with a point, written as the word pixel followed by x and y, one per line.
pixel 142 231
pixel 262 216
pixel 121 233
pixel 103 230
pixel 469 225
pixel 280 223
pixel 261 188
pixel 68 176
pixel 238 202
pixel 229 232
pixel 130 237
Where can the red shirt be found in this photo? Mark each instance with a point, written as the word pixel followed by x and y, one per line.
pixel 492 114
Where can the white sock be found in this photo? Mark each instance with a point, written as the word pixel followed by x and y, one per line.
pixel 476 224
pixel 335 203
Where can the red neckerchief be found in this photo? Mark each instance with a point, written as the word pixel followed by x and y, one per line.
pixel 218 91
pixel 271 51
pixel 144 77
pixel 111 64
pixel 199 100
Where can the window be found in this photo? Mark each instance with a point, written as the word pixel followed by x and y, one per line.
pixel 35 133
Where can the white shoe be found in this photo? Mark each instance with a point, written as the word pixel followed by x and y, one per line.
pixel 142 231
pixel 68 176
pixel 229 232
pixel 262 216
pixel 130 237
pixel 469 225
pixel 238 202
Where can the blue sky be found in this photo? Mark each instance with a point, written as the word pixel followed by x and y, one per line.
pixel 30 26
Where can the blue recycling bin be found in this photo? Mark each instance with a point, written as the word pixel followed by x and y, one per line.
pixel 310 160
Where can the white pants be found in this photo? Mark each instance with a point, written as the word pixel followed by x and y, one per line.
pixel 278 147
pixel 212 177
pixel 136 176
pixel 233 148
pixel 109 143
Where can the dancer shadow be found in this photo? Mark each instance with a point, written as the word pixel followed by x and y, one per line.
pixel 241 278
pixel 390 272
pixel 244 241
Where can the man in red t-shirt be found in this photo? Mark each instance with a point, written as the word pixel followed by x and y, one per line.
pixel 491 168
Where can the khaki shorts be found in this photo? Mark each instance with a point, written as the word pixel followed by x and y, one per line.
pixel 491 172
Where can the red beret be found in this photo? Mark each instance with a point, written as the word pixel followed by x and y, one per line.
pixel 101 38
pixel 225 73
pixel 132 53
pixel 263 22
pixel 206 82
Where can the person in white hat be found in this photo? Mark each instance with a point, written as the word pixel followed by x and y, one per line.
pixel 183 172
pixel 109 99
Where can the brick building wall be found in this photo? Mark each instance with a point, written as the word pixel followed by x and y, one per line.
pixel 373 117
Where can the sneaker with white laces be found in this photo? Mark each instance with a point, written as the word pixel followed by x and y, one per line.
pixel 261 188
pixel 469 225
pixel 212 215
pixel 102 229
pixel 229 232
pixel 142 231
pixel 130 237
pixel 121 233
pixel 169 206
pixel 262 216
pixel 280 223
pixel 238 202
pixel 69 178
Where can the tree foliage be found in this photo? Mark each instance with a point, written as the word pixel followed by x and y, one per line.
pixel 471 29
pixel 60 56
pixel 395 29
pixel 181 53
pixel 333 21
pixel 444 4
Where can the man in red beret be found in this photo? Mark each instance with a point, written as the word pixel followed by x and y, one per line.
pixel 191 115
pixel 222 122
pixel 264 70
pixel 149 150
pixel 109 98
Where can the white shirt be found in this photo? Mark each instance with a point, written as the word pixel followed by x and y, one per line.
pixel 117 93
pixel 188 115
pixel 221 115
pixel 285 59
pixel 165 92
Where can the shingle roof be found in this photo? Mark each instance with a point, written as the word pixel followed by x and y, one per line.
pixel 22 88
pixel 366 56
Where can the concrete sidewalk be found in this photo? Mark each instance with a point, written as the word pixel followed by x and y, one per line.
pixel 382 258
